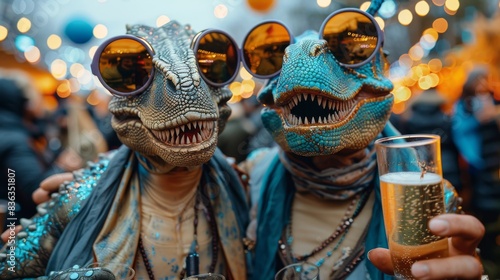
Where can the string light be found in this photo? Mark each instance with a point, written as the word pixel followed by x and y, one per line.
pixel 323 3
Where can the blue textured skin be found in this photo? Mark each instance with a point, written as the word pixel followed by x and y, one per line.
pixel 34 245
pixel 309 67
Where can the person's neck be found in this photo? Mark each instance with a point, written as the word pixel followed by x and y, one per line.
pixel 172 190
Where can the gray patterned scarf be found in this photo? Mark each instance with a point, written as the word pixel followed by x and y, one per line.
pixel 351 175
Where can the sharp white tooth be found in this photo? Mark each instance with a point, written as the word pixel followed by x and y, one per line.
pixel 178 140
pixel 177 131
pixel 325 120
pixel 304 96
pixel 198 137
pixel 330 118
pixel 172 133
pixel 306 121
pixel 187 140
pixel 319 100
pixel 330 104
pixel 313 120
pixel 312 97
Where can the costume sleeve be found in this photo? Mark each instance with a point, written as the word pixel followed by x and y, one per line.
pixel 26 254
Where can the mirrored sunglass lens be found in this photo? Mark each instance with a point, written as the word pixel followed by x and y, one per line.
pixel 264 48
pixel 125 65
pixel 217 57
pixel 351 36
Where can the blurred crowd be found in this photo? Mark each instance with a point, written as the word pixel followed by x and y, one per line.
pixel 37 143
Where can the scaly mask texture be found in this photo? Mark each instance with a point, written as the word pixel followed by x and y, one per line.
pixel 175 122
pixel 318 107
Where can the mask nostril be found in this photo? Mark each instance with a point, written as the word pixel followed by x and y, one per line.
pixel 318 49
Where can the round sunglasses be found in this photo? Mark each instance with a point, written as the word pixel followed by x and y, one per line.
pixel 352 35
pixel 124 64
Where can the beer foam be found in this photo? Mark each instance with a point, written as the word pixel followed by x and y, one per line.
pixel 411 178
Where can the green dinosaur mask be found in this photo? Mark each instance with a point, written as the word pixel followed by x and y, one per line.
pixel 171 117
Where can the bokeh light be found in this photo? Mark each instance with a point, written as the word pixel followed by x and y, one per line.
pixel 100 31
pixel 220 11
pixel 405 17
pixel 435 65
pixel 364 6
pixel 422 8
pixel 323 3
pixel 438 3
pixel 54 42
pixel 381 22
pixel 244 74
pixel 388 9
pixel 162 20
pixel 440 25
pixel 63 89
pixel 3 32
pixel 23 25
pixel 23 42
pixel 452 5
pixel 58 68
pixel 32 54
pixel 416 53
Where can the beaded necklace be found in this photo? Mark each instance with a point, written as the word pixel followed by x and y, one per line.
pixel 192 260
pixel 286 240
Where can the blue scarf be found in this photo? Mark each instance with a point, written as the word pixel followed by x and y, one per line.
pixel 275 203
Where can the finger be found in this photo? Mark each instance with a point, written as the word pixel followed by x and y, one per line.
pixel 52 183
pixel 457 267
pixel 6 234
pixel 381 259
pixel 40 195
pixel 466 231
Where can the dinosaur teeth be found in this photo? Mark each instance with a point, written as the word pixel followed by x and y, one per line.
pixel 187 134
pixel 313 109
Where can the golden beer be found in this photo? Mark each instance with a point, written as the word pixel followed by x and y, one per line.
pixel 409 201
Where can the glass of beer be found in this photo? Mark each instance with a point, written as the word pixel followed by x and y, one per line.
pixel 412 194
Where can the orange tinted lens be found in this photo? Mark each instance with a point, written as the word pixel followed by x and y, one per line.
pixel 351 36
pixel 264 48
pixel 217 57
pixel 125 65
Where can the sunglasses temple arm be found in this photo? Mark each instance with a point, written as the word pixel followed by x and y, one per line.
pixel 374 6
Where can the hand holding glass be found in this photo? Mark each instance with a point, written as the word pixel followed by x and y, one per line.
pixel 412 194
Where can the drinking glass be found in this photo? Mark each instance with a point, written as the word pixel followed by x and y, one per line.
pixel 120 271
pixel 298 271
pixel 412 194
pixel 206 276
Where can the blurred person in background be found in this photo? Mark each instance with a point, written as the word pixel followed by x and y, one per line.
pixel 244 131
pixel 23 143
pixel 426 115
pixel 476 130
